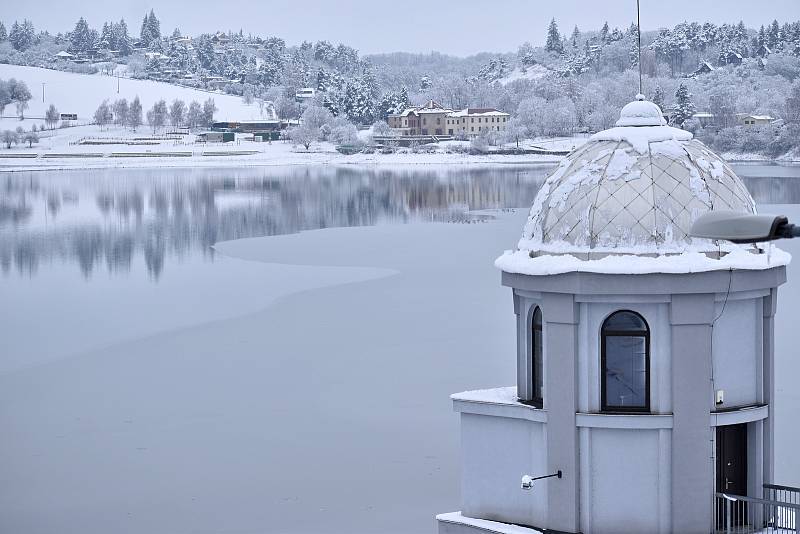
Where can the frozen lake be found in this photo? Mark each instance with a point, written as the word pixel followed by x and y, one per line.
pixel 165 368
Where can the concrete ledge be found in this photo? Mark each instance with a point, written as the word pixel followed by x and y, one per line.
pixel 742 415
pixel 496 402
pixel 455 523
pixel 632 421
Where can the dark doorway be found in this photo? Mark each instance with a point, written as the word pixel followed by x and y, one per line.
pixel 732 465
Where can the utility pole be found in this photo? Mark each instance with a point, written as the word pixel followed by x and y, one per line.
pixel 43 83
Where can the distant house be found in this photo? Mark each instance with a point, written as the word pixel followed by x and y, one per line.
pixel 754 120
pixel 64 55
pixel 705 118
pixel 731 58
pixel 763 50
pixel 305 94
pixel 704 68
pixel 435 119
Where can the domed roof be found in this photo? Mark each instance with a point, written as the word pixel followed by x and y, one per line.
pixel 633 189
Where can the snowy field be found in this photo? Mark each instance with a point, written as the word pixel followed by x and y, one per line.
pixel 62 141
pixel 82 93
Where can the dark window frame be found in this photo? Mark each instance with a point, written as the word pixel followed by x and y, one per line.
pixel 604 333
pixel 536 329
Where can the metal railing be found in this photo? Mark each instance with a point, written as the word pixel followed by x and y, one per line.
pixel 787 494
pixel 737 514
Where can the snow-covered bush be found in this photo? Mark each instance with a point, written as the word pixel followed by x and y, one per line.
pixel 381 128
pixel 344 133
pixel 479 144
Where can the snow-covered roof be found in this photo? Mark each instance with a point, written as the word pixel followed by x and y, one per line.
pixel 640 112
pixel 479 112
pixel 632 191
pixel 759 117
pixel 64 54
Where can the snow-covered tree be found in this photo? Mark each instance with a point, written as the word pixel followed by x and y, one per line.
pixel 122 40
pixel 576 37
pixel 31 137
pixel 121 110
pixel 135 114
pixel 604 37
pixel 10 137
pixel 151 29
pixel 81 37
pixel 304 135
pixel 194 115
pixel 554 43
pixel 209 108
pixel 658 97
pixel 5 95
pixel 683 108
pixel 177 113
pixel 22 36
pixel 3 33
pixel 20 95
pixel 381 128
pixel 51 116
pixel 157 115
pixel 425 83
pixel 102 115
pixel 176 33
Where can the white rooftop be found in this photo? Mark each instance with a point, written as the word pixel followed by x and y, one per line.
pixel 633 190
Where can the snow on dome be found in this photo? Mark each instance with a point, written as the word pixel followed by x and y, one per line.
pixel 641 113
pixel 631 190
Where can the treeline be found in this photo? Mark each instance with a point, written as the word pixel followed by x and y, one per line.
pixel 177 114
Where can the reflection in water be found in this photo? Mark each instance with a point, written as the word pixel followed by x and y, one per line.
pixel 114 217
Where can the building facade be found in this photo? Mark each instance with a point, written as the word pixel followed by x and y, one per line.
pixel 435 119
pixel 645 361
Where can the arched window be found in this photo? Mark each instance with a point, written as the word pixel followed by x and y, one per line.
pixel 625 361
pixel 537 367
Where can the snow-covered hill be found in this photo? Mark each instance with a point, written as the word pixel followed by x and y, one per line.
pixel 82 93
pixel 534 72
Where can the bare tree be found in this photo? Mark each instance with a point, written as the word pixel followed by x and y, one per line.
pixel 121 112
pixel 194 115
pixel 157 115
pixel 135 114
pixel 177 113
pixel 9 138
pixel 51 117
pixel 30 138
pixel 102 116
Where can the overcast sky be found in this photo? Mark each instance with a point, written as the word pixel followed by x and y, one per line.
pixel 405 25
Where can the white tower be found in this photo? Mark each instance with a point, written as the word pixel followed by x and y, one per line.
pixel 644 356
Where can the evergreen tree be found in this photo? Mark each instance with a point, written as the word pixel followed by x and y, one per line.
pixel 774 35
pixel 155 25
pixel 3 34
pixel 604 33
pixel 684 108
pixel 633 52
pixel 122 41
pixel 135 114
pixel 106 36
pixel 576 36
pixel 81 37
pixel 554 43
pixel 658 97
pixel 151 29
pixel 22 36
pixel 176 33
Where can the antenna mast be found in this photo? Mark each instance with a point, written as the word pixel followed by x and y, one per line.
pixel 639 47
